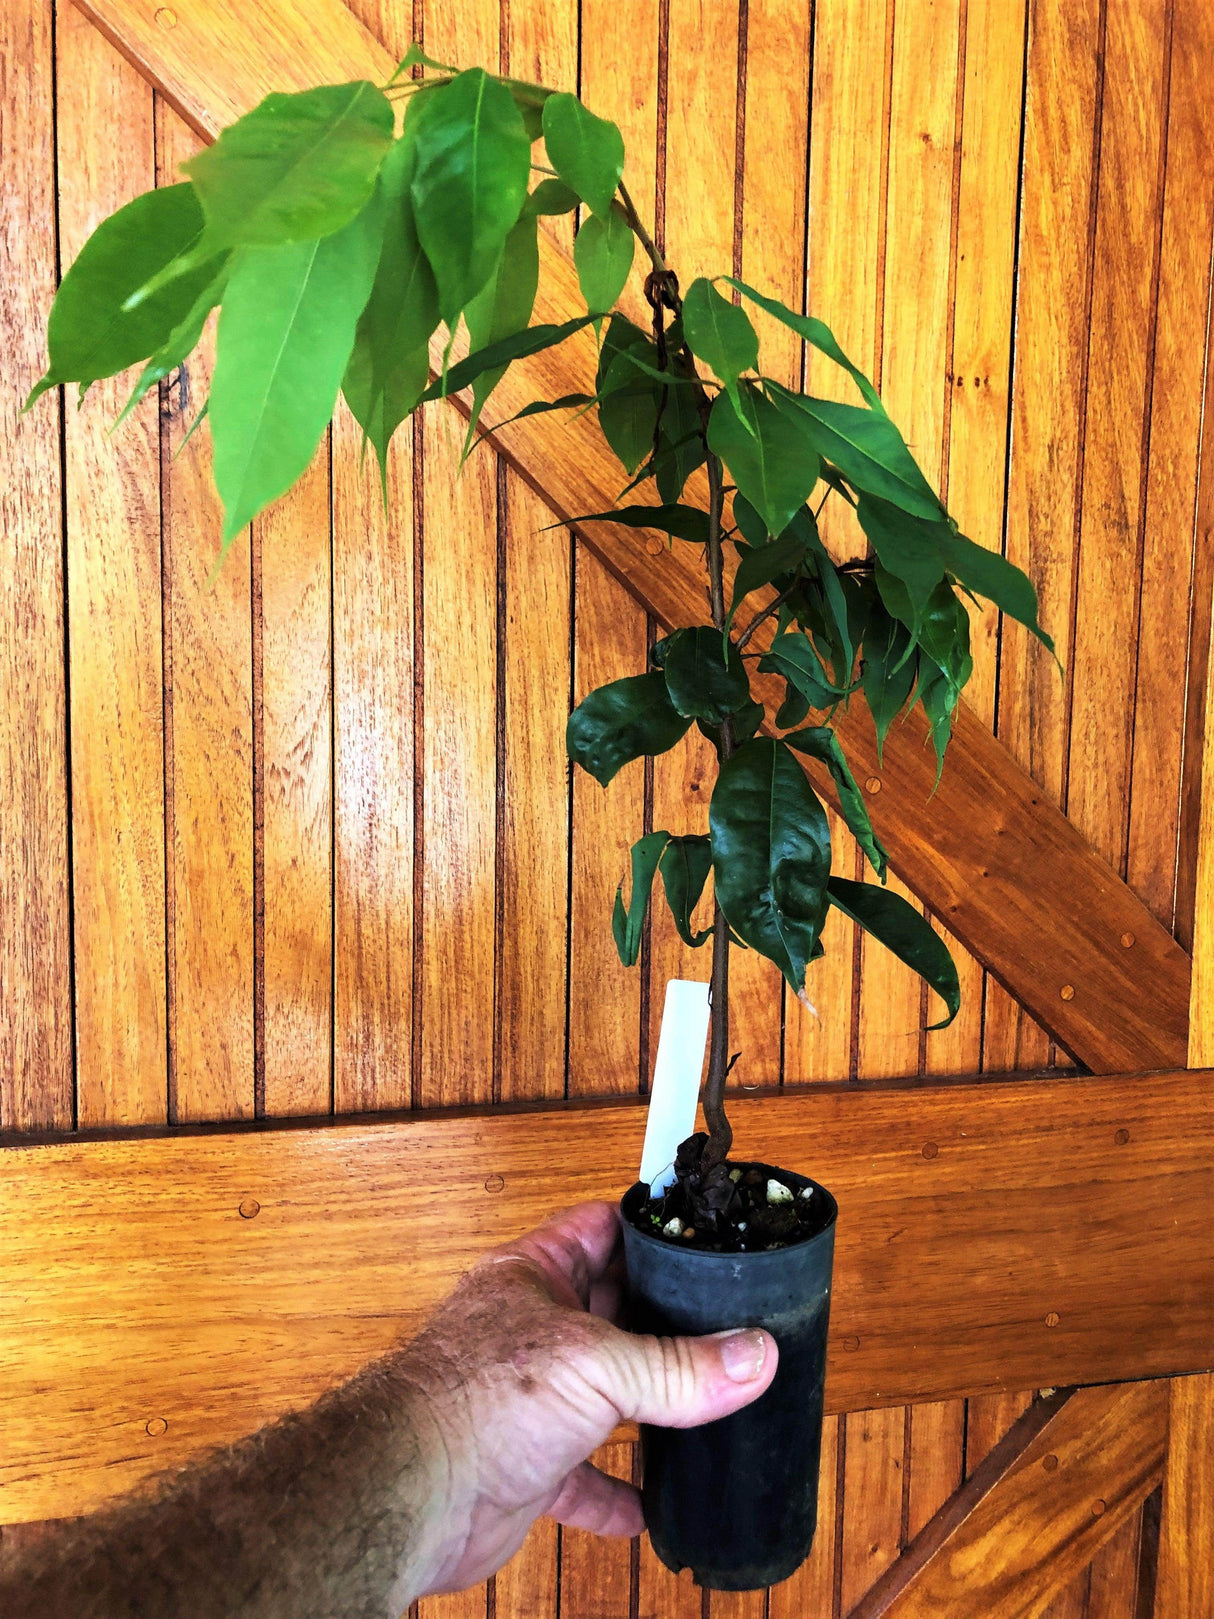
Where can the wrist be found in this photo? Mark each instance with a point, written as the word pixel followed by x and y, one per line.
pixel 427 1482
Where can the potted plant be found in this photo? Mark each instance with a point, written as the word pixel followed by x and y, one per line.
pixel 337 230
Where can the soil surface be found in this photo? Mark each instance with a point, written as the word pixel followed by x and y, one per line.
pixel 732 1207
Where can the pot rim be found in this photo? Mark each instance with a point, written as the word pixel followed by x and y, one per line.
pixel 771 1255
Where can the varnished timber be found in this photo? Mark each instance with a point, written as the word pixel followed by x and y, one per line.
pixel 1017 1253
pixel 989 854
pixel 1186 1537
pixel 1035 1512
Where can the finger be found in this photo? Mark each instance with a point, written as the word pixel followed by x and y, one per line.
pixel 573 1248
pixel 680 1382
pixel 607 1298
pixel 591 1500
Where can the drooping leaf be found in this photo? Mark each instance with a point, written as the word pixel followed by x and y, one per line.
pixel 768 452
pixel 685 865
pixel 888 672
pixel 623 721
pixel 945 636
pixel 518 347
pixel 541 407
pixel 704 683
pixel 719 333
pixel 503 306
pixel 771 854
pixel 286 332
pixel 793 710
pixel 603 253
pixel 551 197
pixel 90 333
pixel 939 698
pixel 181 341
pixel 751 524
pixel 906 547
pixel 988 574
pixel 903 930
pixel 759 565
pixel 296 168
pixel 587 152
pixel 390 363
pixel 683 522
pixel 628 400
pixel 820 742
pixel 680 443
pixel 628 926
pixel 792 656
pixel 867 449
pixel 469 183
pixel 816 333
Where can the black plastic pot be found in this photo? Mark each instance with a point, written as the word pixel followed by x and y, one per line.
pixel 736 1501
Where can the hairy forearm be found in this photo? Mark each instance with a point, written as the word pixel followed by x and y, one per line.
pixel 328 1514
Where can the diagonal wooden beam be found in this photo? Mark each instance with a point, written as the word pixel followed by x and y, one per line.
pixel 1035 1512
pixel 992 1238
pixel 988 854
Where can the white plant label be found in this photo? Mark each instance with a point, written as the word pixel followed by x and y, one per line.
pixel 676 1079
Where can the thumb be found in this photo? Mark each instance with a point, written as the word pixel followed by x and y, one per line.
pixel 682 1382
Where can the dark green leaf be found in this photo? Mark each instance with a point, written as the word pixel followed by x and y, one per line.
pixel 680 445
pixel 945 636
pixel 820 742
pixel 701 683
pixel 541 407
pixel 770 454
pixel 295 168
pixel 888 673
pixel 900 928
pixel 993 576
pixel 629 926
pixel 744 724
pixel 867 449
pixel 815 332
pixel 793 709
pixel 686 863
pixel 628 400
pixel 750 524
pixel 390 364
pixel 939 698
pixel 771 855
pixel 587 152
pixel 518 347
pixel 603 254
pixel 719 333
pixel 91 333
pixel 793 657
pixel 683 522
pixel 503 306
pixel 623 721
pixel 759 565
pixel 285 336
pixel 469 183
pixel 551 197
pixel 181 341
pixel 906 547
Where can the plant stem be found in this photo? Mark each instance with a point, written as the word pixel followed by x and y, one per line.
pixel 773 606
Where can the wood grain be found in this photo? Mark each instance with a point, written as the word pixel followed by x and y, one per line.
pixel 596 1574
pixel 1186 1540
pixel 987 903
pixel 1030 1519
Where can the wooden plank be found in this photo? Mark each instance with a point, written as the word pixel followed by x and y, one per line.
pixel 1186 1539
pixel 811 1590
pixel 36 1061
pixel 1029 1520
pixel 995 908
pixel 872 1494
pixel 526 1588
pixel 596 1574
pixel 1113 1583
pixel 133 1284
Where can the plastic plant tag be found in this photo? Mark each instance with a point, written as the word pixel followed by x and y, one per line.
pixel 676 1079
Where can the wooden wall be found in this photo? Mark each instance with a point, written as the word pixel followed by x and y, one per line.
pixel 302 838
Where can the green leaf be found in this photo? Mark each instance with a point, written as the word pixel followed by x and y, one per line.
pixel 629 926
pixel 469 184
pixel 701 682
pixel 820 742
pixel 390 363
pixel 815 332
pixel 296 168
pixel 993 576
pixel 587 152
pixel 285 336
pixel 623 721
pixel 181 341
pixel 603 253
pixel 939 698
pixel 902 929
pixel 719 333
pixel 685 865
pixel 683 522
pixel 744 723
pixel 91 333
pixel 680 443
pixel 906 547
pixel 867 449
pixel 793 710
pixel 771 855
pixel 792 656
pixel 888 673
pixel 416 57
pixel 759 565
pixel 945 636
pixel 518 347
pixel 551 197
pixel 628 400
pixel 503 306
pixel 770 454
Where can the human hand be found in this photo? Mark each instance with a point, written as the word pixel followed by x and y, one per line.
pixel 525 1374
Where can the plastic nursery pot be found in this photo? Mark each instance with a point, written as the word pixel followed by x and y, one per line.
pixel 736 1501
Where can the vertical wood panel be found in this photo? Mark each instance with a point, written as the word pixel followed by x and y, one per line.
pixel 872 1499
pixel 1186 1539
pixel 1113 1588
pixel 596 1574
pixel 811 1590
pixel 527 1587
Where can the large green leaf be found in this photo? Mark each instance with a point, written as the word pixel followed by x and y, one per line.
pixel 815 332
pixel 888 670
pixel 719 333
pixel 771 855
pixel 628 926
pixel 820 742
pixel 503 306
pixel 906 547
pixel 623 721
pixel 628 399
pixel 518 347
pixel 685 865
pixel 792 656
pixel 587 152
pixel 867 449
pixel 469 184
pixel 295 168
pixel 988 574
pixel 902 929
pixel 181 341
pixel 769 452
pixel 390 363
pixel 285 336
pixel 703 682
pixel 945 636
pixel 91 333
pixel 603 253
